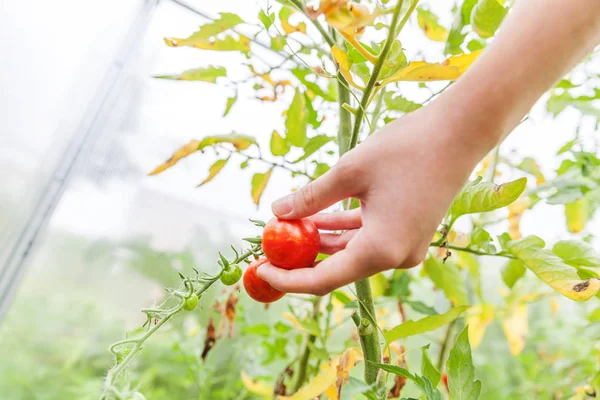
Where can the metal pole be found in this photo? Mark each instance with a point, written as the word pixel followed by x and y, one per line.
pixel 105 96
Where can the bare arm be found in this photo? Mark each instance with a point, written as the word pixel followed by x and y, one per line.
pixel 407 174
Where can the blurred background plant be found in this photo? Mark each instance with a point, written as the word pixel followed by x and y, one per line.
pixel 117 238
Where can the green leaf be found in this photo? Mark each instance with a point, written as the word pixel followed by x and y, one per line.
pixel 557 103
pixel 577 253
pixel 594 315
pixel 427 368
pixel 260 330
pixel 421 307
pixel 553 270
pixel 486 17
pixel 396 61
pixel 259 183
pixel 208 74
pixel 214 170
pixel 396 102
pixel 479 238
pixel 461 373
pixel 230 102
pixel 267 20
pixel 205 38
pixel 297 120
pixel 341 297
pixel 278 42
pixel 399 285
pixel 567 146
pixel 313 115
pixel 313 144
pixel 395 370
pixel 430 25
pixel 279 145
pixel 512 272
pixel 462 17
pixel 302 74
pixel 479 196
pixel 421 381
pixel 411 328
pixel 239 141
pixel 447 277
pixel 320 169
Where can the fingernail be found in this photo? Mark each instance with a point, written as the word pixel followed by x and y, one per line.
pixel 283 206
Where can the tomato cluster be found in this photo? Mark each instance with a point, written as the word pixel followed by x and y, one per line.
pixel 288 244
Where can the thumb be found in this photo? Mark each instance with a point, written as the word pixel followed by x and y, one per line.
pixel 335 185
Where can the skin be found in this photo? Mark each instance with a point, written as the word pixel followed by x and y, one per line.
pixel 407 174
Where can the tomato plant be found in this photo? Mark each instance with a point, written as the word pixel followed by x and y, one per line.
pixel 343 61
pixel 291 244
pixel 258 289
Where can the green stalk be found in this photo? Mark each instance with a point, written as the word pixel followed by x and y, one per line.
pixel 372 84
pixel 310 340
pixel 369 338
pixel 345 116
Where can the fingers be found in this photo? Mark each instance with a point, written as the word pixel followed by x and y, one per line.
pixel 338 221
pixel 340 269
pixel 335 185
pixel 331 243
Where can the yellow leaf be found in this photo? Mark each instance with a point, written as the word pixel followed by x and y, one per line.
pixel 259 183
pixel 479 318
pixel 294 321
pixel 289 28
pixel 379 284
pixel 516 327
pixel 515 212
pixel 180 153
pixel 332 376
pixel 214 170
pixel 260 388
pixel 451 69
pixel 240 142
pixel 341 59
pixel 228 43
pixel 429 23
pixel 554 306
pixel 577 214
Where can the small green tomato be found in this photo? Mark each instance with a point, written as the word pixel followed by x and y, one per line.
pixel 231 275
pixel 190 303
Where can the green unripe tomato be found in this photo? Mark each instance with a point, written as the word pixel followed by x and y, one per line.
pixel 190 303
pixel 231 275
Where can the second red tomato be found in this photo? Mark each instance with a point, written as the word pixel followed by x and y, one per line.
pixel 291 244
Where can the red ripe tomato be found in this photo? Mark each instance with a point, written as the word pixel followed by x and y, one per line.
pixel 258 288
pixel 291 244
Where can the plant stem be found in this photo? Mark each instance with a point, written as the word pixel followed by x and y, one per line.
pixel 375 75
pixel 472 251
pixel 445 345
pixel 376 112
pixel 345 116
pixel 271 163
pixel 310 340
pixel 370 342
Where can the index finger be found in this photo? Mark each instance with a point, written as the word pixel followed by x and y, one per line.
pixel 342 268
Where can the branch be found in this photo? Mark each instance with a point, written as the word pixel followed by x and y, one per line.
pixel 372 84
pixel 472 251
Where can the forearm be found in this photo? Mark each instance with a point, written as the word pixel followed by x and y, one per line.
pixel 540 41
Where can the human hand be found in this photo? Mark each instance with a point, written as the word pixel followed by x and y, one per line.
pixel 405 176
